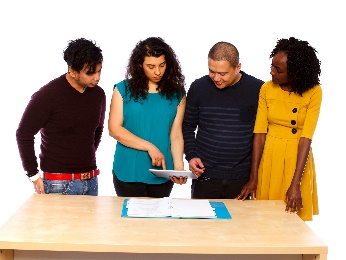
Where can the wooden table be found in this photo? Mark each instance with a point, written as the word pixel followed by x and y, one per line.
pixel 77 226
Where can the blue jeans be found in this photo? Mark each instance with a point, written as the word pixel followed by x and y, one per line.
pixel 77 187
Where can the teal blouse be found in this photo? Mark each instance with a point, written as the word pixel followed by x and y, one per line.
pixel 150 119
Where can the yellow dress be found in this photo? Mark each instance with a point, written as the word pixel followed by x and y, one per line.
pixel 286 117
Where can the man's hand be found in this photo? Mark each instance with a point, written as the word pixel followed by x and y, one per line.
pixel 196 166
pixel 38 186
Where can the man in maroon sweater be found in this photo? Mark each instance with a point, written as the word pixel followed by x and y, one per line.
pixel 69 112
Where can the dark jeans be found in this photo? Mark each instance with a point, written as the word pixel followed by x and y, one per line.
pixel 216 188
pixel 77 187
pixel 140 189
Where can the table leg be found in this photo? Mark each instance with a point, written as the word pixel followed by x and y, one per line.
pixel 315 257
pixel 6 254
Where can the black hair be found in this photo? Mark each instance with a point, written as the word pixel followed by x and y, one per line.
pixel 80 53
pixel 225 51
pixel 303 66
pixel 172 83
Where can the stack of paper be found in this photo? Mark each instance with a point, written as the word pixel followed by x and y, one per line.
pixel 169 207
pixel 192 209
pixel 148 207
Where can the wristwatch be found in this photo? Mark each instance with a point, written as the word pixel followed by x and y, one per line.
pixel 35 177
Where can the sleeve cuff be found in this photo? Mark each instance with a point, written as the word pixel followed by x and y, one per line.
pixel 31 173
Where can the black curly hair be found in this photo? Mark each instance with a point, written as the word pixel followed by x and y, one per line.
pixel 82 52
pixel 172 83
pixel 303 66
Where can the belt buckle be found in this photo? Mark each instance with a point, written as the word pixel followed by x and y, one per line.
pixel 85 176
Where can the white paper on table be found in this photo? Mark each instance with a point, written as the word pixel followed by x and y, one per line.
pixel 192 209
pixel 148 207
pixel 170 207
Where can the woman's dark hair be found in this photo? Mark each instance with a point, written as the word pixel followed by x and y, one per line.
pixel 303 66
pixel 82 52
pixel 172 83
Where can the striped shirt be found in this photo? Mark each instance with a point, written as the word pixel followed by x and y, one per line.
pixel 218 126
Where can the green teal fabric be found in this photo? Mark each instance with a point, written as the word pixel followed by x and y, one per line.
pixel 150 119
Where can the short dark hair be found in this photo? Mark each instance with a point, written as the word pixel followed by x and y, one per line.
pixel 225 51
pixel 82 52
pixel 303 66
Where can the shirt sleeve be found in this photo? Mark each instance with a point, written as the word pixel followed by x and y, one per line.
pixel 99 129
pixel 261 123
pixel 312 113
pixel 34 118
pixel 190 122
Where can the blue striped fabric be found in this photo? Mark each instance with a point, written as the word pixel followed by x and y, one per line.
pixel 218 126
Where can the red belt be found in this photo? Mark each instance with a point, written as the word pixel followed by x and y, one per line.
pixel 70 176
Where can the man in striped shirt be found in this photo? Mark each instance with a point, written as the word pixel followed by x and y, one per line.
pixel 218 125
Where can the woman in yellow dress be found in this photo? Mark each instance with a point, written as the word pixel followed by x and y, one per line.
pixel 288 109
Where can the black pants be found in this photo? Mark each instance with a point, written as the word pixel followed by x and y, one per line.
pixel 216 188
pixel 140 189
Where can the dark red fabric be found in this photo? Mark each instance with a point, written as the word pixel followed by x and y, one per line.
pixel 71 126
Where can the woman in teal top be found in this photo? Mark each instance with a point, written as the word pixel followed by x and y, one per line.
pixel 145 118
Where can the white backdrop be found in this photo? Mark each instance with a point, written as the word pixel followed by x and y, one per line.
pixel 34 34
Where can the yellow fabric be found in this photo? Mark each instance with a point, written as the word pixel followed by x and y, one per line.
pixel 274 116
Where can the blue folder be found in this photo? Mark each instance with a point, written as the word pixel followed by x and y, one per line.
pixel 219 207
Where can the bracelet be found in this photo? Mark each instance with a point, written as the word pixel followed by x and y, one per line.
pixel 35 177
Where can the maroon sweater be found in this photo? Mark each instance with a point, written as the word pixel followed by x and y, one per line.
pixel 71 125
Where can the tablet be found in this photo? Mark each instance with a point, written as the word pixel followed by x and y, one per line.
pixel 167 173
